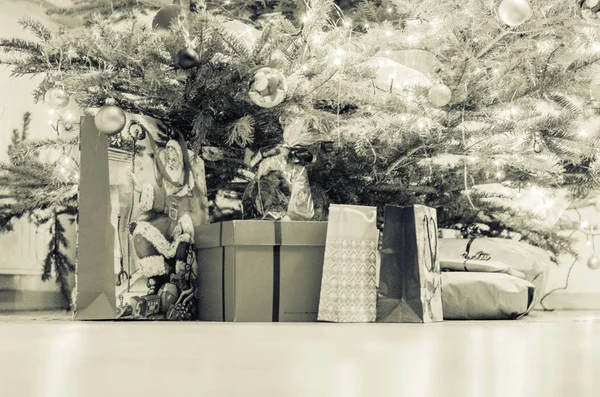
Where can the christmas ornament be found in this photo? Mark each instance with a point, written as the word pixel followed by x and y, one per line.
pixel 440 95
pixel 56 98
pixel 187 59
pixel 167 16
pixel 514 12
pixel 267 87
pixel 593 5
pixel 593 263
pixel 110 120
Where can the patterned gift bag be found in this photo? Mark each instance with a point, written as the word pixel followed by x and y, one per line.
pixel 348 288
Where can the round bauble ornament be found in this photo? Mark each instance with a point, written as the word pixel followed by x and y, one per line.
pixel 56 98
pixel 110 120
pixel 593 263
pixel 440 95
pixel 514 12
pixel 593 5
pixel 267 87
pixel 187 59
pixel 166 17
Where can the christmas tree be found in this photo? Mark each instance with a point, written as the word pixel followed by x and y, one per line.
pixel 465 106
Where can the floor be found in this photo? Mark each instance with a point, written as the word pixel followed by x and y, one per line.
pixel 548 355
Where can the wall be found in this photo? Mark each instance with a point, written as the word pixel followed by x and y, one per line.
pixel 22 251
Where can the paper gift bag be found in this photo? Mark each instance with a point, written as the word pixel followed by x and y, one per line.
pixel 410 280
pixel 348 287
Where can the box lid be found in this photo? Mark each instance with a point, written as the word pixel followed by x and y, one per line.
pixel 258 232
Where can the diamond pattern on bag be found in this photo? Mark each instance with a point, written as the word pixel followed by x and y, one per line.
pixel 348 292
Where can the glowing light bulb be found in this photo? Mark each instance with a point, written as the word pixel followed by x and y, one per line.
pixel 63 170
pixel 50 122
pixel 390 10
pixel 583 133
pixel 548 204
pixel 304 68
pixel 367 26
pixel 596 46
pixel 421 125
pixel 498 175
pixel 305 19
pixel 403 118
pixel 388 33
pixel 478 71
pixel 227 2
pixel 473 159
pixel 514 111
pixel 51 111
pixel 66 160
pixel 337 61
pixel 347 23
pixel 497 163
pixel 387 52
pixel 585 224
pixel 496 71
pixel 69 116
pixel 339 51
pixel 518 194
pixel 588 243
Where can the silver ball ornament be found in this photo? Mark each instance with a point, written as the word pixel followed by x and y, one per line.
pixel 57 98
pixel 593 263
pixel 110 120
pixel 440 95
pixel 514 12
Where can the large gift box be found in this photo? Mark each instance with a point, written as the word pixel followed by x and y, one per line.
pixel 260 271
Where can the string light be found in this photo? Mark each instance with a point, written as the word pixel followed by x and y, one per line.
pixel 304 68
pixel 49 122
pixel 51 111
pixel 389 10
pixel 305 19
pixel 583 133
pixel 473 159
pixel 499 175
pixel 388 33
pixel 585 224
pixel 69 116
pixel 596 46
pixel 403 118
pixel 497 163
pixel 347 23
pixel 514 111
pixel 367 26
pixel 588 243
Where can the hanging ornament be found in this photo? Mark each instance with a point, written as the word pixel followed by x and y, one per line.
pixel 187 58
pixel 593 5
pixel 166 17
pixel 267 87
pixel 514 12
pixel 593 263
pixel 110 120
pixel 56 98
pixel 440 95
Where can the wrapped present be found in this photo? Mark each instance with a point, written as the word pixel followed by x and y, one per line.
pixel 410 280
pixel 349 286
pixel 485 296
pixel 281 188
pixel 260 271
pixel 480 266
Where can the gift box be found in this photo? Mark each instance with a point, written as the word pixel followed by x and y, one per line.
pixel 410 280
pixel 485 296
pixel 260 271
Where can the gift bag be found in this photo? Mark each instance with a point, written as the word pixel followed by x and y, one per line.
pixel 348 287
pixel 410 280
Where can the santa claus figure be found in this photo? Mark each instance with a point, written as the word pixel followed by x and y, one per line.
pixel 171 209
